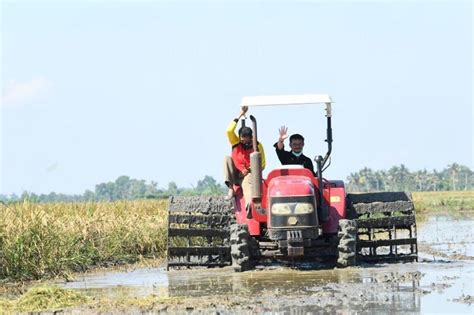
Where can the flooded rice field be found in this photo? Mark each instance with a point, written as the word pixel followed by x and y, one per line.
pixel 441 282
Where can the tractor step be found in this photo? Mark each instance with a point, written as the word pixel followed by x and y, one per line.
pixel 386 226
pixel 198 232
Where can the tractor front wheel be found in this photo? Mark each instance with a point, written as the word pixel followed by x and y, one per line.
pixel 347 248
pixel 240 247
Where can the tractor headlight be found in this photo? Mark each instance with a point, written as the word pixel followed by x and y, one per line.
pixel 281 209
pixel 303 208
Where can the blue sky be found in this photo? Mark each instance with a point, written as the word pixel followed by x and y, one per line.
pixel 92 90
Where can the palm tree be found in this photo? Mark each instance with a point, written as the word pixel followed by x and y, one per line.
pixel 420 177
pixel 380 177
pixel 453 170
pixel 354 181
pixel 367 178
pixel 464 177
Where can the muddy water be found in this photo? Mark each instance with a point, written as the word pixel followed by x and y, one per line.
pixel 441 282
pixel 447 235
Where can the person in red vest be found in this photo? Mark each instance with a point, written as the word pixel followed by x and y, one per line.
pixel 237 166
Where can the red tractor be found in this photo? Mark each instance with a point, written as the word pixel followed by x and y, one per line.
pixel 294 216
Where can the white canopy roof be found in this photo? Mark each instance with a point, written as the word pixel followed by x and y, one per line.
pixel 277 100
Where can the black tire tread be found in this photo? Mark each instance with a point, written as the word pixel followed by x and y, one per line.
pixel 347 247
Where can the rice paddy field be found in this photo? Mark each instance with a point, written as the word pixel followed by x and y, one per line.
pixel 439 201
pixel 49 240
pixel 39 241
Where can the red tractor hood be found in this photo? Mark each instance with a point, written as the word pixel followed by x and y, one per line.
pixel 291 185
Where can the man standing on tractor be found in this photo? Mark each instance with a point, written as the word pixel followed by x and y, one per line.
pixel 295 156
pixel 237 166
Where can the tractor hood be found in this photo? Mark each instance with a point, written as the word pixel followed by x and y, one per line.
pixel 292 185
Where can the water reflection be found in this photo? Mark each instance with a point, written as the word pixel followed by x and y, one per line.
pixel 357 288
pixel 282 290
pixel 121 284
pixel 447 234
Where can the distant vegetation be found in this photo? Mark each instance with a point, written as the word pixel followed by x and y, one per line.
pixel 124 188
pixel 454 177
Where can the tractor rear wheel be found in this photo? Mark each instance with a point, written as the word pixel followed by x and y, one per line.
pixel 240 247
pixel 347 248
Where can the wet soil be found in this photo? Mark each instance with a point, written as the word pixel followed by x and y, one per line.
pixel 428 286
pixel 441 282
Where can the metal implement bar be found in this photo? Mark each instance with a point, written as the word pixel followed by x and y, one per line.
pixel 387 258
pixel 197 232
pixel 276 100
pixel 198 250
pixel 215 221
pixel 198 264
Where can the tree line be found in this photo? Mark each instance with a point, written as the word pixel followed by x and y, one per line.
pixel 397 178
pixel 124 188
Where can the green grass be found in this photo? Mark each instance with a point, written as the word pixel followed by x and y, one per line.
pixel 443 201
pixel 46 240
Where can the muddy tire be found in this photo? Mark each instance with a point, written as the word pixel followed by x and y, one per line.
pixel 240 247
pixel 254 247
pixel 347 248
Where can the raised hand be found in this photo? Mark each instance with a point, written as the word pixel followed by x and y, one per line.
pixel 283 133
pixel 243 110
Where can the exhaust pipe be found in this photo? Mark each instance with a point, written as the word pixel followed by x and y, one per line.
pixel 256 167
pixel 256 176
pixel 323 213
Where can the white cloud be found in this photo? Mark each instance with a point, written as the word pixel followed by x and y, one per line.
pixel 19 94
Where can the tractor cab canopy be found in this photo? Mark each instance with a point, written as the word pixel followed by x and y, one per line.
pixel 285 100
pixel 278 100
pixel 302 99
